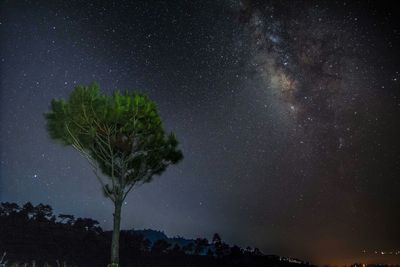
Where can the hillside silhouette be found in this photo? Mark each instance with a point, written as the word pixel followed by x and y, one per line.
pixel 31 232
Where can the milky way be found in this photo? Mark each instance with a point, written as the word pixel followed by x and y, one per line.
pixel 286 111
pixel 315 66
pixel 320 65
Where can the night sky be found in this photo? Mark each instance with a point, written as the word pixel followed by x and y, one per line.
pixel 287 113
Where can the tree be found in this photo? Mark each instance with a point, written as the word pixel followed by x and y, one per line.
pixel 200 244
pixel 177 251
pixel 87 224
pixel 188 249
pixel 236 251
pixel 216 239
pixel 248 251
pixel 27 211
pixel 160 247
pixel 134 244
pixel 70 218
pixel 256 252
pixel 221 248
pixel 121 136
pixel 42 212
pixel 9 209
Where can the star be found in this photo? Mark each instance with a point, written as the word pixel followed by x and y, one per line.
pixel 282 108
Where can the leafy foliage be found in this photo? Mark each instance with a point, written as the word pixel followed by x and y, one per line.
pixel 122 135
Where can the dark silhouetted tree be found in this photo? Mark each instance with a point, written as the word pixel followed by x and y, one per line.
pixel 248 251
pixel 87 224
pixel 9 209
pixel 216 238
pixel 177 251
pixel 224 249
pixel 188 249
pixel 160 247
pixel 27 210
pixel 69 219
pixel 217 243
pixel 257 252
pixel 120 135
pixel 134 244
pixel 199 245
pixel 42 213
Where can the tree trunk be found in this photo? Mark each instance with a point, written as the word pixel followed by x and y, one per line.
pixel 115 234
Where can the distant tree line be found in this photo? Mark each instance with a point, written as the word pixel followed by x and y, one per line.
pixel 31 232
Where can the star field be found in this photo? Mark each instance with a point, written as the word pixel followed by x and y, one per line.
pixel 286 112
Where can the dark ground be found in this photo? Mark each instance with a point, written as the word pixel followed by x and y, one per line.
pixel 30 233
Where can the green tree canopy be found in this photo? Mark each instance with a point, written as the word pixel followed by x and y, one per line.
pixel 121 136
